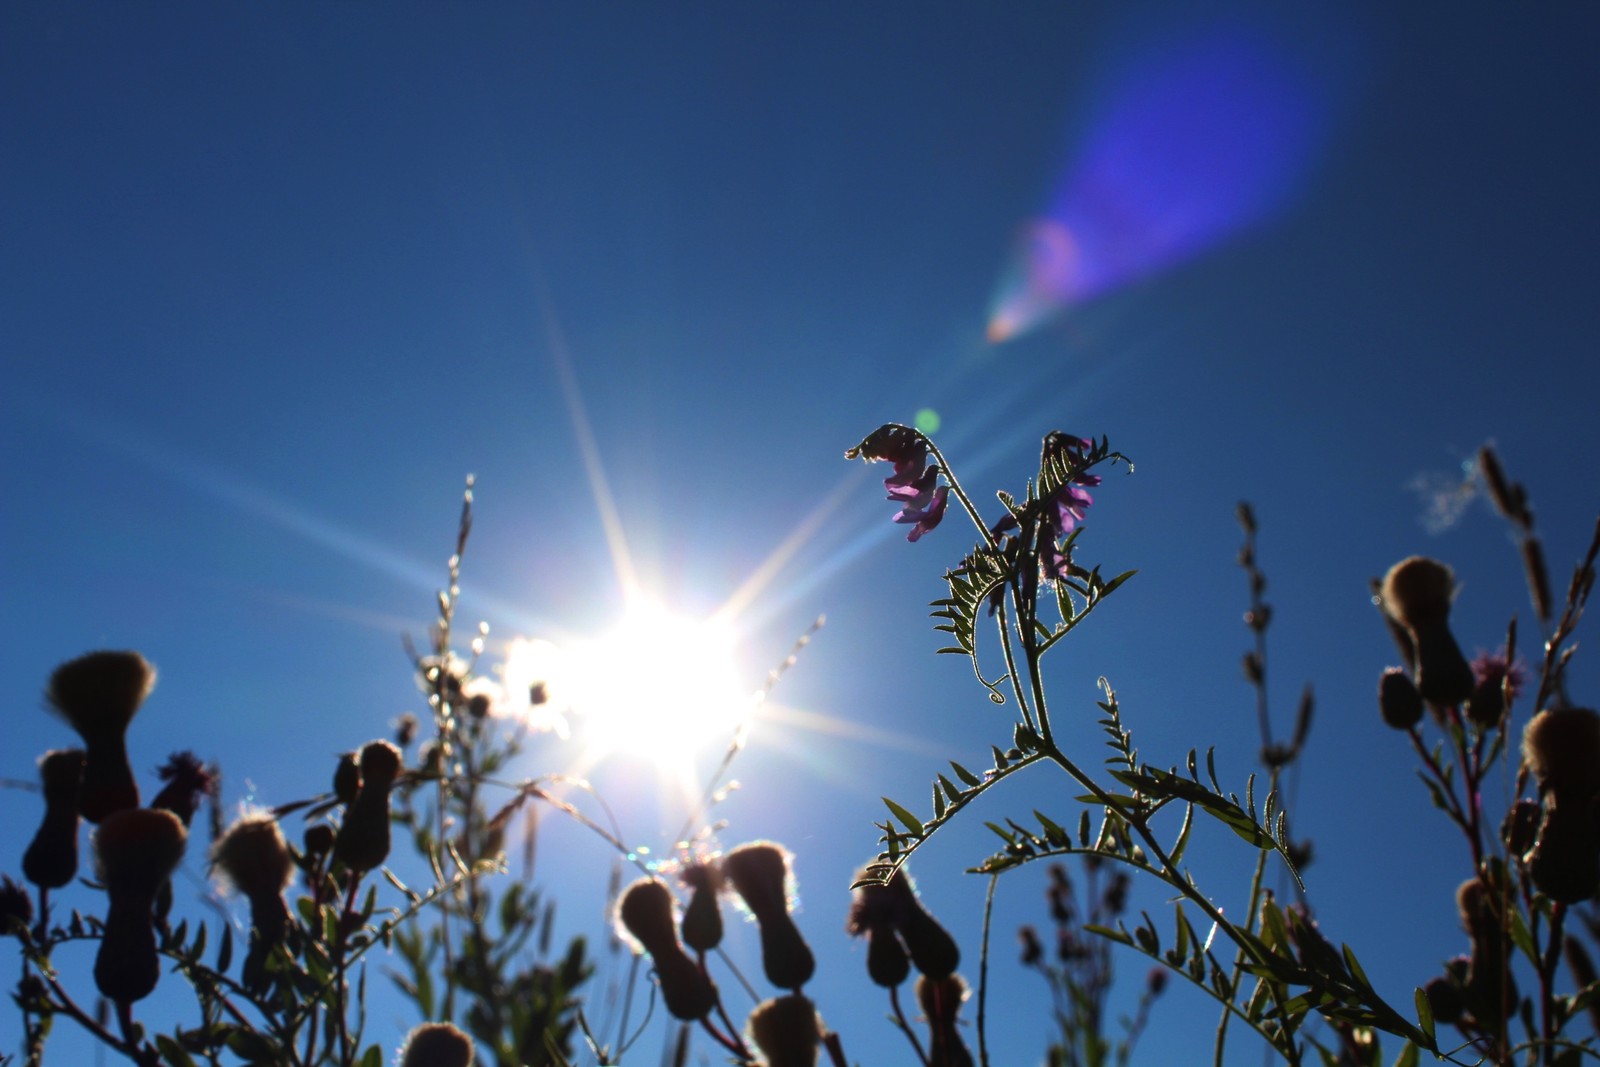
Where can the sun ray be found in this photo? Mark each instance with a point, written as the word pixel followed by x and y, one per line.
pixel 599 485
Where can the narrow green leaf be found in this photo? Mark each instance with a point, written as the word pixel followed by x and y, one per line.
pixel 1183 835
pixel 966 776
pixel 938 803
pixel 911 822
pixel 225 950
pixel 1409 1057
pixel 949 788
pixel 1424 1014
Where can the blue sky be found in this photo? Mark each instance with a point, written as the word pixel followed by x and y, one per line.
pixel 275 279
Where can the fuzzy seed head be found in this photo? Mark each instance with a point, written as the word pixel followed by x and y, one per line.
pixel 1417 592
pixel 253 856
pixel 98 693
pixel 758 872
pixel 138 848
pixel 787 1031
pixel 1561 746
pixel 437 1045
pixel 941 998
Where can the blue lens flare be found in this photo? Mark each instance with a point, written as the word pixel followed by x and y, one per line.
pixel 1193 138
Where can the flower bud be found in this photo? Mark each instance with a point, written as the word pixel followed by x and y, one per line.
pixel 1032 950
pixel 787 1031
pixel 872 909
pixel 1444 1000
pixel 363 839
pixel 51 860
pixel 645 911
pixel 941 999
pixel 437 1045
pixel 1561 746
pixel 137 850
pixel 1489 991
pixel 347 778
pixel 97 695
pixel 188 779
pixel 1416 592
pixel 758 873
pixel 931 948
pixel 1398 699
pixel 702 919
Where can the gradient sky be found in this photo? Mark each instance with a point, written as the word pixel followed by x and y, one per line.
pixel 275 278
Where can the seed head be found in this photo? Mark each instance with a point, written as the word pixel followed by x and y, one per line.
pixel 98 693
pixel 1417 592
pixel 1561 746
pixel 437 1045
pixel 787 1031
pixel 253 856
pixel 136 850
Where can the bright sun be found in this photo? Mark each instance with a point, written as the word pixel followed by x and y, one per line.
pixel 658 687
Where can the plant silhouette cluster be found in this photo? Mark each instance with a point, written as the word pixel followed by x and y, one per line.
pixel 472 947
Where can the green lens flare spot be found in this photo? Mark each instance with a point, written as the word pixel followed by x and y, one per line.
pixel 928 421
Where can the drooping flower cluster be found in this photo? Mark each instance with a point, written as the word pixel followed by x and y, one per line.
pixel 914 485
pixel 1063 507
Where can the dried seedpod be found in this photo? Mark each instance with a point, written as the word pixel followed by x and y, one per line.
pixel 137 850
pixel 645 912
pixel 941 999
pixel 97 695
pixel 51 860
pixel 363 839
pixel 759 873
pixel 437 1045
pixel 1561 747
pixel 255 859
pixel 1417 594
pixel 787 1031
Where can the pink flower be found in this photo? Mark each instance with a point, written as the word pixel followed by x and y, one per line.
pixel 914 485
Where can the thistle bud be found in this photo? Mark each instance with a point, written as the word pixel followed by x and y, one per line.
pixel 1489 991
pixel 872 910
pixel 347 779
pixel 931 948
pixel 1444 1000
pixel 1561 746
pixel 941 999
pixel 97 695
pixel 253 856
pixel 363 840
pixel 437 1045
pixel 702 919
pixel 759 872
pixel 1032 950
pixel 1398 700
pixel 787 1031
pixel 1417 593
pixel 645 911
pixel 137 850
pixel 51 860
pixel 317 841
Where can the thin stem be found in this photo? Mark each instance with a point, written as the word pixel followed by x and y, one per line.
pixel 905 1027
pixel 961 495
pixel 983 972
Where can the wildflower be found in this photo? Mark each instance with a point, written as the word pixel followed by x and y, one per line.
pixel 52 857
pixel 437 1045
pixel 188 779
pixel 1496 678
pixel 645 912
pixel 1063 508
pixel 758 873
pixel 137 850
pixel 914 483
pixel 787 1031
pixel 98 694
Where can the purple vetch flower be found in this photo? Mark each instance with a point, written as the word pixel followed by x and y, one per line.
pixel 914 485
pixel 1064 507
